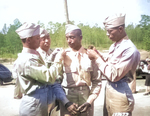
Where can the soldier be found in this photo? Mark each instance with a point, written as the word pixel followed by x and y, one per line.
pixel 32 74
pixel 55 90
pixel 80 75
pixel 118 68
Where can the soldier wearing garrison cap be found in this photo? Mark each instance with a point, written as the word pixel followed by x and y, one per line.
pixel 31 73
pixel 80 73
pixel 55 91
pixel 118 68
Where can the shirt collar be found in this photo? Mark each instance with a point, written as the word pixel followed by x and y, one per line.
pixel 43 52
pixel 117 44
pixel 28 50
pixel 80 51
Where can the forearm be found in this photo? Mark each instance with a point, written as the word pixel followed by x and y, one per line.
pixel 96 78
pixel 41 73
pixel 91 98
pixel 114 72
pixel 60 93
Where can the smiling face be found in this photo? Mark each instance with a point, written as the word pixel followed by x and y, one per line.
pixel 74 39
pixel 45 42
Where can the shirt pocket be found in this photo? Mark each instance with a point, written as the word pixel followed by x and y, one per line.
pixel 86 65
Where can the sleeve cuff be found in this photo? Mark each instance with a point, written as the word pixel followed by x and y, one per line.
pixel 91 98
pixel 64 101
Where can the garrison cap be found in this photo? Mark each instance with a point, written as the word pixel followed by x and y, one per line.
pixel 70 27
pixel 43 32
pixel 114 21
pixel 28 30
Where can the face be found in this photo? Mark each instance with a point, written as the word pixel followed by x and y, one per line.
pixel 74 40
pixel 34 42
pixel 45 42
pixel 113 34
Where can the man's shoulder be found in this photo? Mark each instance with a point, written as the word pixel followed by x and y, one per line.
pixel 23 57
pixel 127 44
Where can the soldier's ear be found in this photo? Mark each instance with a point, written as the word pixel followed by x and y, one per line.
pixel 80 37
pixel 28 40
pixel 121 29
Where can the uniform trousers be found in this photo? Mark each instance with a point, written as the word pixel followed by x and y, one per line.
pixel 35 103
pixel 78 95
pixel 147 81
pixel 119 100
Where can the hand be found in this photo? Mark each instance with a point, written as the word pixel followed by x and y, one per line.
pixel 92 54
pixel 53 54
pixel 60 56
pixel 63 53
pixel 84 107
pixel 72 108
pixel 99 54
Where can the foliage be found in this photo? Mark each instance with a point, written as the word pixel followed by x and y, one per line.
pixel 10 43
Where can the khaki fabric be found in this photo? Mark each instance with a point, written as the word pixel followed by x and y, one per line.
pixel 79 97
pixel 132 84
pixel 122 60
pixel 32 71
pixel 119 99
pixel 80 71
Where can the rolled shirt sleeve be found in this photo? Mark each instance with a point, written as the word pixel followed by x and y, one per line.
pixel 96 77
pixel 40 72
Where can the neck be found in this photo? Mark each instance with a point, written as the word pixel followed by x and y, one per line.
pixel 46 50
pixel 27 46
pixel 77 48
pixel 122 36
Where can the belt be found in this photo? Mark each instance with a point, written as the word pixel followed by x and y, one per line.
pixel 39 91
pixel 78 87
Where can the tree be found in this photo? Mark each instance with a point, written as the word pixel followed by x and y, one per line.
pixel 41 24
pixel 145 27
pixel 17 23
pixel 145 21
pixel 5 29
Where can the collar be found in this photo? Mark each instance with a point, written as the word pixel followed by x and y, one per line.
pixel 117 44
pixel 43 52
pixel 28 50
pixel 80 51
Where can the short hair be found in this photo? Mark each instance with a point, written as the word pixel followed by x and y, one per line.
pixel 24 40
pixel 119 26
pixel 78 32
pixel 122 25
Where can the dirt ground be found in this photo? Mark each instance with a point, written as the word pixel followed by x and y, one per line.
pixel 144 54
pixel 10 106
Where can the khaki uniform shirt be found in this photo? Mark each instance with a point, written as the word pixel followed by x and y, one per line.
pixel 122 60
pixel 45 55
pixel 30 71
pixel 80 70
pixel 119 68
